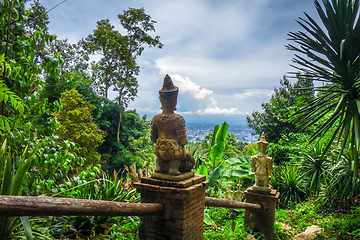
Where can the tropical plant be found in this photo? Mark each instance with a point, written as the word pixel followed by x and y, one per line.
pixel 343 185
pixel 330 54
pixel 10 182
pixel 212 167
pixel 96 185
pixel 315 164
pixel 289 181
pixel 239 169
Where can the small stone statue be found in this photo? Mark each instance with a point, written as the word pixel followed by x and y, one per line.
pixel 229 193
pixel 238 194
pixel 169 134
pixel 262 165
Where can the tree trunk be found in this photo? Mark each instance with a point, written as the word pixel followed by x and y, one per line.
pixel 118 128
pixel 106 90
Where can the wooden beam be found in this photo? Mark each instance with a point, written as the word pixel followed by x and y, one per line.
pixel 51 206
pixel 216 202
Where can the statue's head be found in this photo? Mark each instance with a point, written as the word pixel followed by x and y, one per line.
pixel 262 144
pixel 168 94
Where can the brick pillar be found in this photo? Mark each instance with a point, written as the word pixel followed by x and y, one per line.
pixel 184 203
pixel 262 221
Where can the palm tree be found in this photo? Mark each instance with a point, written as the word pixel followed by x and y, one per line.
pixel 330 54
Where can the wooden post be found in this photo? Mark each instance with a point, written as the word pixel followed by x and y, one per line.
pixel 184 203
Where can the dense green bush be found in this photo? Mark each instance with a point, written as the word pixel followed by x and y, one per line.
pixel 289 181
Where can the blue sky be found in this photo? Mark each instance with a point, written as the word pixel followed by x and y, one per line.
pixel 226 56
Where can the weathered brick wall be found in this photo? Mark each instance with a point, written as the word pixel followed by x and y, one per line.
pixel 263 221
pixel 184 204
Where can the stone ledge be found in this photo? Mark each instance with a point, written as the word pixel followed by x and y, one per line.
pixel 173 178
pixel 272 193
pixel 177 184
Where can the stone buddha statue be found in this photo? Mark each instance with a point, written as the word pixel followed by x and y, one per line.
pixel 169 134
pixel 262 165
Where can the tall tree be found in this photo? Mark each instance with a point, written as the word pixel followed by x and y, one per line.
pixel 118 67
pixel 330 54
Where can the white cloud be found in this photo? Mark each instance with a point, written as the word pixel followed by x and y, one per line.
pixel 215 110
pixel 186 85
pixel 253 93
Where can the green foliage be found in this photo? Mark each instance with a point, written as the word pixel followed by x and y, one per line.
pixel 91 184
pixel 10 181
pixel 76 124
pixel 5 96
pixel 315 164
pixel 240 145
pixel 250 150
pixel 301 216
pixel 96 185
pixel 330 54
pixel 336 225
pixel 133 129
pixel 275 121
pixel 282 234
pixel 290 182
pixel 239 169
pixel 124 228
pixel 343 185
pixel 212 168
pixel 346 226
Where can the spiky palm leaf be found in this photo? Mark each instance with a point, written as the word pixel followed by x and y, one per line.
pixel 331 54
pixel 315 165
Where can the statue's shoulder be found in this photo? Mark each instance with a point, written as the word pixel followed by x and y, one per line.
pixel 157 116
pixel 179 117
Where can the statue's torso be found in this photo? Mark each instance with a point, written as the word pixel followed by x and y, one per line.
pixel 168 126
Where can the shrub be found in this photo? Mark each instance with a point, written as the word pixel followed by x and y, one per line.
pixel 289 181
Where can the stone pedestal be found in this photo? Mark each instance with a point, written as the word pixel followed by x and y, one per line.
pixel 184 203
pixel 262 221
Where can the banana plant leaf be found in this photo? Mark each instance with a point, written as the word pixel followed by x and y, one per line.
pixel 202 170
pixel 215 175
pixel 233 174
pixel 208 220
pixel 243 160
pixel 217 149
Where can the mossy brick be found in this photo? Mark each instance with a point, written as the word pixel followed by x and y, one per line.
pixel 264 220
pixel 186 206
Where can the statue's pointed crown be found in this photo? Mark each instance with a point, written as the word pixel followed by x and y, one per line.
pixel 262 139
pixel 168 85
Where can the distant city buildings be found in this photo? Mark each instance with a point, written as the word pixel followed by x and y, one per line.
pixel 197 133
